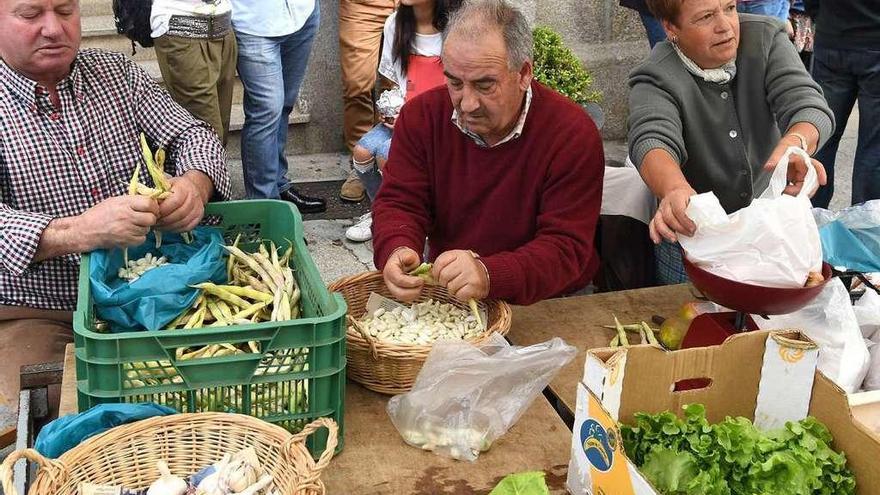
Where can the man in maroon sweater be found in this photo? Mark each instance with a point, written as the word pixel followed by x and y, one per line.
pixel 501 174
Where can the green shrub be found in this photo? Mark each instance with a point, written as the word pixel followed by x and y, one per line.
pixel 557 67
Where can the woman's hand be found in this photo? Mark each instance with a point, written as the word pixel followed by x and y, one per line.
pixel 797 167
pixel 671 219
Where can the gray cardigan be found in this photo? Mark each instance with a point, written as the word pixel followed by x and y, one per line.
pixel 722 134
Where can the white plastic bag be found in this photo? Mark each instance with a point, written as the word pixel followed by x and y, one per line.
pixel 773 242
pixel 466 397
pixel 829 320
pixel 867 310
pixel 872 378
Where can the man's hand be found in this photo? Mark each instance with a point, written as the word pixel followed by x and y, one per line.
pixel 671 219
pixel 184 209
pixel 119 221
pixel 403 286
pixel 797 167
pixel 462 274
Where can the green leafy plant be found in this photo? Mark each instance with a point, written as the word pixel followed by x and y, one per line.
pixel 557 66
pixel 527 483
pixel 691 457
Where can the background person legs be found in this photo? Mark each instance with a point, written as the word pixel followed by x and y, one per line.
pixel 259 67
pixel 773 8
pixel 866 167
pixel 295 51
pixel 833 71
pixel 653 28
pixel 198 73
pixel 360 41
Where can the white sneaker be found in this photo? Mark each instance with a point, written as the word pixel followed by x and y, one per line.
pixel 362 230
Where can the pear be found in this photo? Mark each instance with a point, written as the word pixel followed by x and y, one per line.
pixel 673 329
pixel 672 332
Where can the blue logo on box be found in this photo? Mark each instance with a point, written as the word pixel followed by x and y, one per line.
pixel 598 444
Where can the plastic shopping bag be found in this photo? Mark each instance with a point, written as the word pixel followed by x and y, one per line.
pixel 867 311
pixel 466 397
pixel 829 320
pixel 851 237
pixel 161 294
pixel 773 242
pixel 67 432
pixel 872 378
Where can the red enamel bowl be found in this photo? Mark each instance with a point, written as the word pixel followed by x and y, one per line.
pixel 753 299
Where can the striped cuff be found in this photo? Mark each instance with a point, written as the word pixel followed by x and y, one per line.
pixel 641 148
pixel 821 120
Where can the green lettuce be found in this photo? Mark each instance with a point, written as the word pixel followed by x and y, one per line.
pixel 688 456
pixel 527 483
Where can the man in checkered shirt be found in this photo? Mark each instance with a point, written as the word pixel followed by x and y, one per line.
pixel 69 127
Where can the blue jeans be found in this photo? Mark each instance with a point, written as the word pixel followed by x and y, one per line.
pixel 847 75
pixel 378 142
pixel 271 70
pixel 653 28
pixel 773 8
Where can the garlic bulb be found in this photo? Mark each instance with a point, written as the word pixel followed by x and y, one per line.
pixel 255 488
pixel 211 484
pixel 167 484
pixel 239 475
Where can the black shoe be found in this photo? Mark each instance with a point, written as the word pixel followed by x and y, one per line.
pixel 303 203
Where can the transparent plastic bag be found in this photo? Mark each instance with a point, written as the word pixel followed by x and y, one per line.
pixel 851 237
pixel 466 397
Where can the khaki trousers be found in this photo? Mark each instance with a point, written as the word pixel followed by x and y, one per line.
pixel 29 336
pixel 200 74
pixel 360 43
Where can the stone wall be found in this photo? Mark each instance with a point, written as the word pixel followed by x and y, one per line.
pixel 609 39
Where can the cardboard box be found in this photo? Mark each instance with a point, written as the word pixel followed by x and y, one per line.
pixel 768 377
pixel 866 409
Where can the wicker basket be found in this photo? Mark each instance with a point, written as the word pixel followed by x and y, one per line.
pixel 127 455
pixel 391 368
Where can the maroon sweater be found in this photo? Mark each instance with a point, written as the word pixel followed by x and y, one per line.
pixel 528 207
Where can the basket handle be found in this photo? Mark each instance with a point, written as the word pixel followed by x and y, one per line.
pixel 54 469
pixel 360 329
pixel 332 441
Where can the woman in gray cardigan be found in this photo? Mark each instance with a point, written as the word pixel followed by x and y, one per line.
pixel 706 110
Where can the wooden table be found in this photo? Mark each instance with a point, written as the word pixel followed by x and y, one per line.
pixel 578 321
pixel 375 460
pixel 68 383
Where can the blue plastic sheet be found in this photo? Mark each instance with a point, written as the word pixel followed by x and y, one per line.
pixel 160 295
pixel 67 432
pixel 857 249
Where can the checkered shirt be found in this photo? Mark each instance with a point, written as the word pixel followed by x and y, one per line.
pixel 58 163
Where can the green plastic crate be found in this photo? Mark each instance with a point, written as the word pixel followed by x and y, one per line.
pixel 298 375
